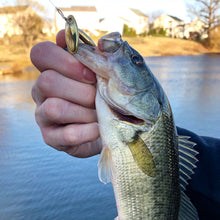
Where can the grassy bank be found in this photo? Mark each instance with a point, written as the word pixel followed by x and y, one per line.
pixel 16 58
pixel 164 46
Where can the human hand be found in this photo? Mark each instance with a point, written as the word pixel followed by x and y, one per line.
pixel 64 94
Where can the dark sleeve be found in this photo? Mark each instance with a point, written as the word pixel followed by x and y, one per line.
pixel 204 187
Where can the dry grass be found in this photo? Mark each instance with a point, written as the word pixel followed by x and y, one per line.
pixel 12 54
pixel 163 46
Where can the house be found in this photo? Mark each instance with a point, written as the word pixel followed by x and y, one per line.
pixel 173 26
pixel 133 18
pixel 113 24
pixel 196 28
pixel 86 17
pixel 139 21
pixel 8 24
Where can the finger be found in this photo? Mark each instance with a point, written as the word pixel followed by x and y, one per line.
pixel 85 150
pixel 59 111
pixel 60 39
pixel 72 135
pixel 52 84
pixel 47 55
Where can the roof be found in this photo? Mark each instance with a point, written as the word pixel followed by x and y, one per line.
pixel 80 8
pixel 138 12
pixel 13 9
pixel 175 18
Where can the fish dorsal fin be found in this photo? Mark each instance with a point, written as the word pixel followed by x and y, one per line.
pixel 187 160
pixel 104 166
pixel 187 210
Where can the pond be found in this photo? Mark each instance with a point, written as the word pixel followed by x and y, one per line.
pixel 38 182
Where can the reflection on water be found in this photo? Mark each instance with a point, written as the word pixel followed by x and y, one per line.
pixel 38 182
pixel 30 73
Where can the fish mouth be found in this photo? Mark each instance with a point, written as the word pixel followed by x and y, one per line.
pixel 131 119
pixel 111 44
pixel 96 58
pixel 120 112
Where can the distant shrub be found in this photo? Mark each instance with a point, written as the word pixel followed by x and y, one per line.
pixel 162 32
pixel 158 32
pixel 128 31
pixel 196 36
pixel 144 34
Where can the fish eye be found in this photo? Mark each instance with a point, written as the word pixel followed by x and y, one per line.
pixel 137 59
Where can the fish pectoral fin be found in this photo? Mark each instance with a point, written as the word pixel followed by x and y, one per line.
pixel 187 210
pixel 142 156
pixel 104 166
pixel 187 160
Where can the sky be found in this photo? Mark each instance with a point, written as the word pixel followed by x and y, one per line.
pixel 106 7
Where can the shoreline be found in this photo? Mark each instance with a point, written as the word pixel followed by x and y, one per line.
pixel 15 59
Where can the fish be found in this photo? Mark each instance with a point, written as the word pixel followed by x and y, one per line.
pixel 148 163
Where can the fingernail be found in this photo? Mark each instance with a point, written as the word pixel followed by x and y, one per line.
pixel 89 75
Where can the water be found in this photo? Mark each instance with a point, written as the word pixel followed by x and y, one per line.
pixel 192 84
pixel 38 182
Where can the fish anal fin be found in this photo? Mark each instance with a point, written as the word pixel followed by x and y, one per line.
pixel 187 210
pixel 105 166
pixel 142 156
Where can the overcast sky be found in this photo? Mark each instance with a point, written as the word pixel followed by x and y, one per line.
pixel 106 7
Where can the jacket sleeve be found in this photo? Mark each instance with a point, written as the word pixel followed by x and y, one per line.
pixel 204 187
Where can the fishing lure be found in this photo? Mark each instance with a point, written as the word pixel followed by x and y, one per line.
pixel 73 33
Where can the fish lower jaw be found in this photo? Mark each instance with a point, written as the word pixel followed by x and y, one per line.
pixel 119 112
pixel 126 117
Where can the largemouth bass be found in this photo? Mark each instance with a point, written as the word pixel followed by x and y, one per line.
pixel 143 157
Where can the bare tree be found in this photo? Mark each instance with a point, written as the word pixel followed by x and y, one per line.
pixel 31 26
pixel 34 4
pixel 30 23
pixel 205 10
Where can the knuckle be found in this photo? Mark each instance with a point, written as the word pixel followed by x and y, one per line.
pixel 44 80
pixel 71 136
pixel 51 109
pixel 46 138
pixel 38 116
